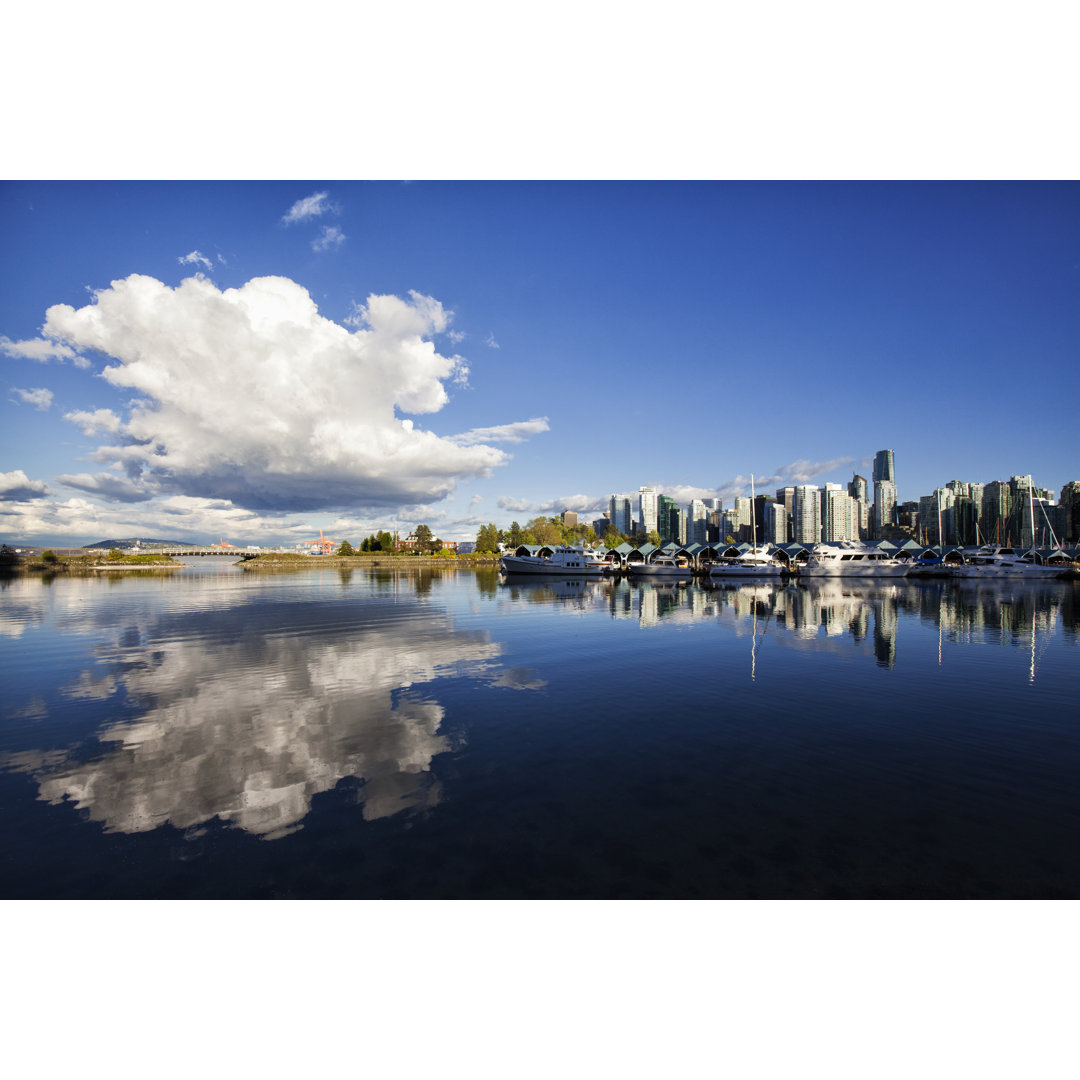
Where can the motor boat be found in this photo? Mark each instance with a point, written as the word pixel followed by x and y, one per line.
pixel 564 561
pixel 757 562
pixel 851 559
pixel 663 566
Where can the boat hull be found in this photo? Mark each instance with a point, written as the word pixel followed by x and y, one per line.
pixel 873 570
pixel 746 570
pixel 523 564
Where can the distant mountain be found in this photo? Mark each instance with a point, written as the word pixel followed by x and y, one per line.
pixel 140 541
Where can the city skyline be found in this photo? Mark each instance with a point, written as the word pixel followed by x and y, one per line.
pixel 259 361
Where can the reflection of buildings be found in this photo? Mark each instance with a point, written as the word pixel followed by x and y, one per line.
pixel 247 722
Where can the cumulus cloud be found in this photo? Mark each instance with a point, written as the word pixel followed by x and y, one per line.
pixel 196 257
pixel 42 351
pixel 18 487
pixel 511 433
pixel 490 341
pixel 251 396
pixel 312 207
pixel 40 398
pixel 329 239
pixel 456 336
pixel 93 422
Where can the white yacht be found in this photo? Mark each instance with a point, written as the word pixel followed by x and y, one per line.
pixel 757 562
pixel 850 559
pixel 995 561
pixel 575 561
pixel 663 566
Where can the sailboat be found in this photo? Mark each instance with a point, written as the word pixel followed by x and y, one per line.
pixel 757 562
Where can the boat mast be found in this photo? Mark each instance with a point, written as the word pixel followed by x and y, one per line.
pixel 753 516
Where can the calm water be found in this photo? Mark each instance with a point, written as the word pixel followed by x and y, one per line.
pixel 446 734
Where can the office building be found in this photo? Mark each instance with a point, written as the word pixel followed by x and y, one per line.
pixel 806 515
pixel 647 509
pixel 619 510
pixel 697 522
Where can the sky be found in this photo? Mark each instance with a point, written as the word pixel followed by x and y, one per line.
pixel 257 361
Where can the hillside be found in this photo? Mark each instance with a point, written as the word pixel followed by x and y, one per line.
pixel 131 542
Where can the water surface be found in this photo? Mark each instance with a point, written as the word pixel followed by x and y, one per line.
pixel 376 733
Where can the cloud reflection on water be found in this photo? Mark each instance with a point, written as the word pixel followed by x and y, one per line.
pixel 248 723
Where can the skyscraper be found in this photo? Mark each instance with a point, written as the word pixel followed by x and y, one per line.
pixel 647 507
pixel 696 522
pixel 884 467
pixel 806 515
pixel 884 492
pixel 667 525
pixel 619 514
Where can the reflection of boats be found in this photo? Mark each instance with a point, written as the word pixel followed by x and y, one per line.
pixel 538 587
pixel 850 559
pixel 576 561
pixel 664 566
pixel 757 562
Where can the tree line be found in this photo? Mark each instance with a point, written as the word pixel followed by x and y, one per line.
pixel 550 530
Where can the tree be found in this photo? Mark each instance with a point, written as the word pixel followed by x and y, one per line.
pixel 346 548
pixel 516 536
pixel 487 539
pixel 653 538
pixel 424 538
pixel 612 537
pixel 115 553
pixel 384 540
pixel 545 530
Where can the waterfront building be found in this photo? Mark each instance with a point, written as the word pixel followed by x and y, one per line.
pixel 885 498
pixel 996 512
pixel 666 524
pixel 729 526
pixel 647 509
pixel 743 510
pixel 839 515
pixel 678 525
pixel 857 488
pixel 619 511
pixel 806 515
pixel 776 523
pixel 697 522
pixel 884 507
pixel 1070 507
pixel 884 467
pixel 786 495
pixel 569 519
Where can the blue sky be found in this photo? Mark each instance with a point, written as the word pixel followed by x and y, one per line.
pixel 259 360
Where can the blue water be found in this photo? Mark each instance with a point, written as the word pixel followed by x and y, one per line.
pixel 220 733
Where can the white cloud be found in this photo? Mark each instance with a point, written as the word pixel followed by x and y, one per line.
pixel 456 336
pixel 301 415
pixel 312 207
pixel 511 433
pixel 40 398
pixel 330 238
pixel 93 422
pixel 40 350
pixel 196 257
pixel 798 472
pixel 18 487
pixel 490 341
